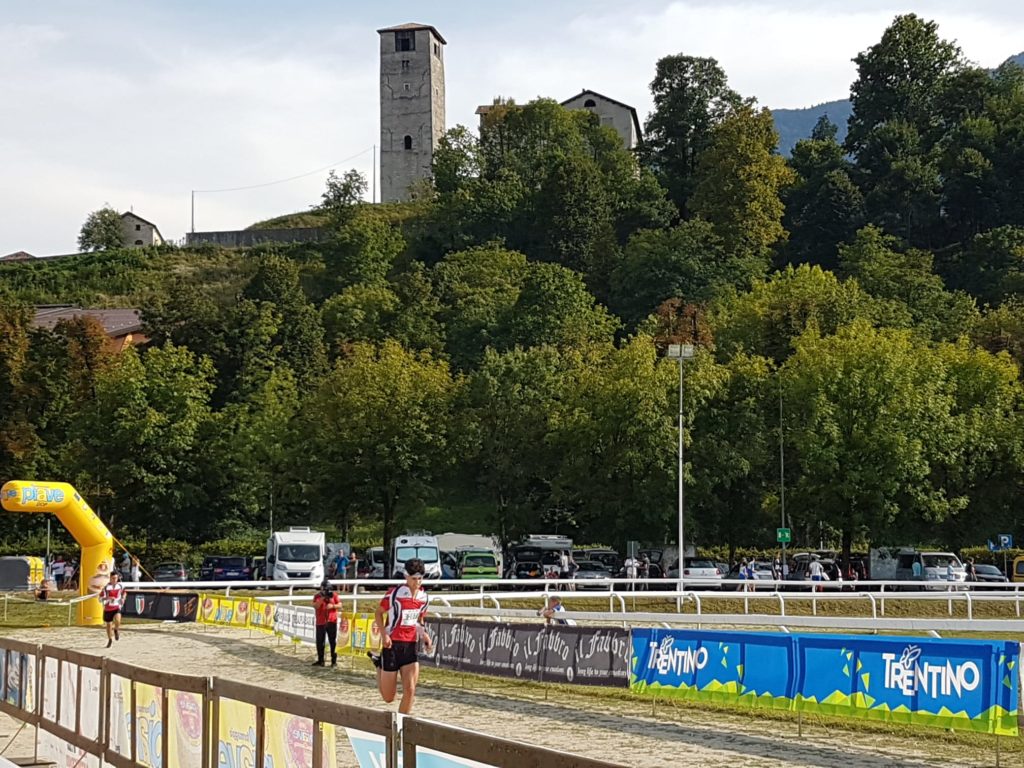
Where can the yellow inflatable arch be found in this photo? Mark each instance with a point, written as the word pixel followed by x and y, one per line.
pixel 92 535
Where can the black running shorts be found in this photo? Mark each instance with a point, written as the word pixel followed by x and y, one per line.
pixel 108 616
pixel 398 656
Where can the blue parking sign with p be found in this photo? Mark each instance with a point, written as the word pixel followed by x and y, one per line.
pixel 1005 541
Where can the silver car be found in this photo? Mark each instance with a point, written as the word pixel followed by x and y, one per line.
pixel 703 573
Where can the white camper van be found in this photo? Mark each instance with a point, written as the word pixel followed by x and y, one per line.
pixel 296 555
pixel 423 546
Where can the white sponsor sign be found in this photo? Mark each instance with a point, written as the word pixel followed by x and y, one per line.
pixel 913 678
pixel 296 621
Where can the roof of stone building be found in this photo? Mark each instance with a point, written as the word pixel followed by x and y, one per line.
pixel 411 26
pixel 17 256
pixel 116 322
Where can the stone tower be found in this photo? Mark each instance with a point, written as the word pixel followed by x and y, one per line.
pixel 411 105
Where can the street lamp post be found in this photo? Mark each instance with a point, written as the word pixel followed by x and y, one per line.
pixel 681 352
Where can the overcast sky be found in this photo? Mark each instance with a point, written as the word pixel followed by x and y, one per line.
pixel 135 104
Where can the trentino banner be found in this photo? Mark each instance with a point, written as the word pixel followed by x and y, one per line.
pixel 962 684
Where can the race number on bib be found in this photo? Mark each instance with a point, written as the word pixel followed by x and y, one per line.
pixel 410 617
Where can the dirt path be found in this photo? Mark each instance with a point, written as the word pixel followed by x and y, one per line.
pixel 622 731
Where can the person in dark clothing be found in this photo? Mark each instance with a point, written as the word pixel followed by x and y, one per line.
pixel 325 603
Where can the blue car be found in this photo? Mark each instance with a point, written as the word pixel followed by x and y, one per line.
pixel 220 568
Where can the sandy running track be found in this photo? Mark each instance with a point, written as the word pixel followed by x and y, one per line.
pixel 621 731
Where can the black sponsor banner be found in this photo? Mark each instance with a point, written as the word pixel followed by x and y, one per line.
pixel 554 654
pixel 161 606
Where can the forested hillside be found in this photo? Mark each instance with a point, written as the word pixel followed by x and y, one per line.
pixel 499 342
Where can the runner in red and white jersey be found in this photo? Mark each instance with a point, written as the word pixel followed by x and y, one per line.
pixel 399 618
pixel 112 599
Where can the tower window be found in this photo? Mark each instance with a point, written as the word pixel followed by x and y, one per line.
pixel 405 65
pixel 405 40
pixel 437 50
pixel 138 242
pixel 589 103
pixel 138 227
pixel 407 86
pixel 408 142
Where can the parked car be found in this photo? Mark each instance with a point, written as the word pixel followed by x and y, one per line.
pixel 226 568
pixel 932 568
pixel 609 558
pixel 589 571
pixel 170 572
pixel 987 574
pixel 762 572
pixel 698 568
pixel 527 569
pixel 801 571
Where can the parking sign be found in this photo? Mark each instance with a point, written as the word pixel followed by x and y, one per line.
pixel 1005 541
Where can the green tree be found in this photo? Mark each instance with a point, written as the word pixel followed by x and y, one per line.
pixel 18 439
pixel 615 435
pixel 777 310
pixel 901 183
pixel 870 419
pixel 505 415
pixel 688 261
pixel 991 267
pixel 691 96
pixel 554 307
pixel 732 454
pixel 477 289
pixel 139 450
pixel 101 231
pixel 298 337
pixel 262 456
pixel 363 249
pixel 548 181
pixel 900 78
pixel 823 207
pixel 905 280
pixel 342 195
pixel 379 428
pixel 739 181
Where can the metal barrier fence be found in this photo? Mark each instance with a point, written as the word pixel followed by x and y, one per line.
pixel 90 711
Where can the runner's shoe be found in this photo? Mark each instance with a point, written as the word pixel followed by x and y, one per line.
pixel 375 658
pixel 318 663
pixel 109 642
pixel 117 634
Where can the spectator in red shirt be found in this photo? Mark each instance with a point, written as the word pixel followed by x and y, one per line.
pixel 399 618
pixel 326 602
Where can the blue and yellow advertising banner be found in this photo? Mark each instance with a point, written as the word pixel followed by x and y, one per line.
pixel 728 667
pixel 961 684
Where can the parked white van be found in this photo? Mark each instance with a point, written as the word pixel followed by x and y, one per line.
pixel 423 546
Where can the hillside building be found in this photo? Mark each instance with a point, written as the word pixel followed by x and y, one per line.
pixel 139 232
pixel 412 116
pixel 611 113
pixel 123 326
